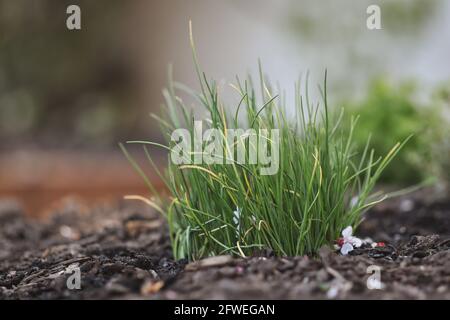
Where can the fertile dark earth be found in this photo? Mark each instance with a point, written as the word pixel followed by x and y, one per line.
pixel 123 251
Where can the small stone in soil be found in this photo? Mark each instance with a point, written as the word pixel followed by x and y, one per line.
pixel 151 287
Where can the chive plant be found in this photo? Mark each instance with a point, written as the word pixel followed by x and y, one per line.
pixel 318 190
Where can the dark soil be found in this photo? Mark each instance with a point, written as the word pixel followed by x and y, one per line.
pixel 123 251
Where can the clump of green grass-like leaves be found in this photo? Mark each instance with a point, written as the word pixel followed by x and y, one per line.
pixel 319 188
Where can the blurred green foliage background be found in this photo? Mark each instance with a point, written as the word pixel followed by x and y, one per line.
pixel 389 114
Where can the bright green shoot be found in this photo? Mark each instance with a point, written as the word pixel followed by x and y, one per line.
pixel 318 190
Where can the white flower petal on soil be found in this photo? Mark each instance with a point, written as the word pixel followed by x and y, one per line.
pixel 332 292
pixel 356 242
pixel 346 248
pixel 347 232
pixel 349 239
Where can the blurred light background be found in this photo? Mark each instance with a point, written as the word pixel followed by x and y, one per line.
pixel 68 97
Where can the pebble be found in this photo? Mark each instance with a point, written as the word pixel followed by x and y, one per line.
pixel 69 233
pixel 406 205
pixel 135 227
pixel 151 287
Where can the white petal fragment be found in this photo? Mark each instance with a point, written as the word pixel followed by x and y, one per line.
pixel 346 248
pixel 347 232
pixel 356 242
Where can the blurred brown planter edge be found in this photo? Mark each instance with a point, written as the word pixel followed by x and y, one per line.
pixel 39 178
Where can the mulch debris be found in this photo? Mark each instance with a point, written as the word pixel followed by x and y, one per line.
pixel 123 251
